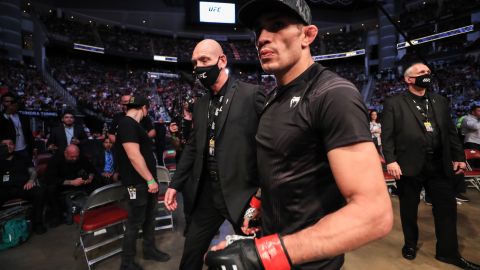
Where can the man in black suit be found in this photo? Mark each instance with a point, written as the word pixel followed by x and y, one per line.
pixel 421 148
pixel 16 126
pixel 217 173
pixel 65 134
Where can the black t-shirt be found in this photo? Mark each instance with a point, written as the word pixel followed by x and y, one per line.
pixel 301 122
pixel 14 172
pixel 131 131
pixel 146 123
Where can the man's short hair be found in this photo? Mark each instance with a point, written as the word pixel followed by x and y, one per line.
pixel 11 95
pixel 408 70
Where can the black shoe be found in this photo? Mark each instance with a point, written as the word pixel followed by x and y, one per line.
pixel 130 266
pixel 156 255
pixel 39 229
pixel 460 262
pixel 409 253
pixel 462 198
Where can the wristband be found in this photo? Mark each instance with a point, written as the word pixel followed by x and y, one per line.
pixel 151 182
pixel 272 253
pixel 255 202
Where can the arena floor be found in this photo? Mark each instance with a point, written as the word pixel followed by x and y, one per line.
pixel 54 250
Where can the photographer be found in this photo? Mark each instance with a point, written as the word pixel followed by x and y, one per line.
pixel 69 178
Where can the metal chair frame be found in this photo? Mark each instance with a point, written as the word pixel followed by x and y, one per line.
pixel 101 197
pixel 163 175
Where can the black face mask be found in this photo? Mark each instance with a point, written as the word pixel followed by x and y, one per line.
pixel 423 81
pixel 208 75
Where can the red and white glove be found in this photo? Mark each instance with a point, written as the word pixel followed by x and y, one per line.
pixel 266 253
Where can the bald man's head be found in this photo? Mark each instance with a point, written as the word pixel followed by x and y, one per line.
pixel 72 153
pixel 209 64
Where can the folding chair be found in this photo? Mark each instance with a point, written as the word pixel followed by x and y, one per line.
pixel 164 217
pixel 102 211
pixel 169 160
pixel 472 175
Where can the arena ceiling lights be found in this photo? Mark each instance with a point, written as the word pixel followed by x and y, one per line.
pixel 446 34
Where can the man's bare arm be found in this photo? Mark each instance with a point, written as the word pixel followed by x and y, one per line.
pixel 137 160
pixel 367 215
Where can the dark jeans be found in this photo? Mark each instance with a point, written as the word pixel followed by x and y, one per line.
pixel 205 220
pixel 442 193
pixel 141 214
pixel 36 195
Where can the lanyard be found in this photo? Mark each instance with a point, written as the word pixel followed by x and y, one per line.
pixel 214 109
pixel 420 109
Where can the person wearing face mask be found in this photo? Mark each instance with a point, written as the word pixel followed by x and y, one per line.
pixel 421 148
pixel 217 172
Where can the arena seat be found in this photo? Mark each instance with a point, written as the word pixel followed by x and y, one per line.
pixel 169 160
pixel 102 214
pixel 164 218
pixel 472 175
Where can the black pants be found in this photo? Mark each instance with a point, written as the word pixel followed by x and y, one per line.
pixel 442 193
pixel 141 214
pixel 36 195
pixel 205 220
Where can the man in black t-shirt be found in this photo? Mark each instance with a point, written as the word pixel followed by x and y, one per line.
pixel 137 168
pixel 146 122
pixel 323 191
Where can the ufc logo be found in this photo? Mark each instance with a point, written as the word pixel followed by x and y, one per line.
pixel 202 75
pixel 234 267
pixel 426 79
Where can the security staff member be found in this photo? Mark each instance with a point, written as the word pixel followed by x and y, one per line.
pixel 323 191
pixel 420 145
pixel 137 168
pixel 217 172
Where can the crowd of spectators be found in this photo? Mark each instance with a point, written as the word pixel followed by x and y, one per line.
pixel 95 84
pixel 26 82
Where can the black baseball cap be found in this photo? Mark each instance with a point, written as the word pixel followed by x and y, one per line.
pixel 252 9
pixel 137 101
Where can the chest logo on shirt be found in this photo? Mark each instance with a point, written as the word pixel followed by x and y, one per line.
pixel 294 101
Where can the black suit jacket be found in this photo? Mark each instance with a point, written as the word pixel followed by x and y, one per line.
pixel 403 134
pixel 59 138
pixel 7 129
pixel 235 148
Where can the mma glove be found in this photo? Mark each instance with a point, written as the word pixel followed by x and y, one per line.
pixel 266 253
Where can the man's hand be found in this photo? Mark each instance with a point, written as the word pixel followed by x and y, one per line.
pixel 107 174
pixel 29 185
pixel 153 187
pixel 171 199
pixel 459 167
pixel 252 214
pixel 394 170
pixel 52 147
pixel 77 182
pixel 75 141
pixel 266 253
